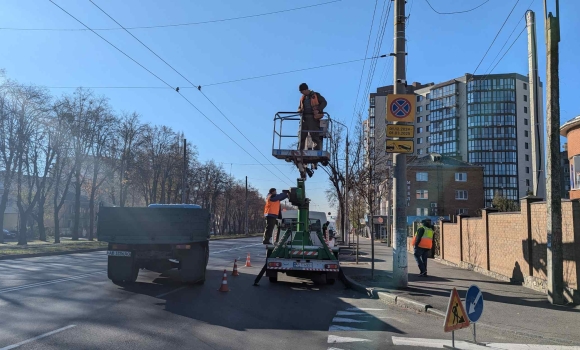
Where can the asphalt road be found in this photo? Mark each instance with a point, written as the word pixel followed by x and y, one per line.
pixel 67 302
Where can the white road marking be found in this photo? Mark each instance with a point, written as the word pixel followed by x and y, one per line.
pixel 343 328
pixel 170 292
pixel 13 346
pixel 442 343
pixel 333 339
pixel 350 313
pixel 227 250
pixel 40 284
pixel 333 349
pixel 364 309
pixel 347 320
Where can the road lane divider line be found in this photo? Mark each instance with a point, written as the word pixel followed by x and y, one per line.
pixel 40 284
pixel 170 292
pixel 227 250
pixel 13 346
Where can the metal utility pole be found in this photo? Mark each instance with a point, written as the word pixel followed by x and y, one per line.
pixel 553 195
pixel 534 100
pixel 246 214
pixel 184 171
pixel 400 276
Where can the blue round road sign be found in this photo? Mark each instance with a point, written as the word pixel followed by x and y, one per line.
pixel 474 303
pixel 400 107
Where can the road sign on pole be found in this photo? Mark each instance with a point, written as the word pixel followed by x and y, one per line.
pixel 474 303
pixel 400 130
pixel 401 108
pixel 400 146
pixel 455 317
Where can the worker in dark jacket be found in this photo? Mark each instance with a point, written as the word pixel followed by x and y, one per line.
pixel 422 243
pixel 272 212
pixel 311 109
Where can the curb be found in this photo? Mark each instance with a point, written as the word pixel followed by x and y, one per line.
pixel 36 255
pixel 388 298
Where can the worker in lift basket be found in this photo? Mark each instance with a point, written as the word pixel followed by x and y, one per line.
pixel 422 243
pixel 311 109
pixel 272 212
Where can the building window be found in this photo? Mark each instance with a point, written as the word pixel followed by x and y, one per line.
pixel 527 157
pixel 422 194
pixel 527 170
pixel 525 86
pixel 525 122
pixel 420 109
pixel 526 133
pixel 461 177
pixel 419 98
pixel 461 211
pixel 461 194
pixel 428 128
pixel 372 102
pixel 428 139
pixel 419 140
pixel 525 98
pixel 420 151
pixel 419 130
pixel 526 146
pixel 422 211
pixel 422 177
pixel 525 109
pixel 428 117
pixel 419 119
pixel 528 182
pixel 575 172
pixel 428 96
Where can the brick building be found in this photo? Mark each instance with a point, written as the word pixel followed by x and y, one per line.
pixel 571 130
pixel 440 186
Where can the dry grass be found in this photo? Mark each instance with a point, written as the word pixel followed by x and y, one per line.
pixel 39 247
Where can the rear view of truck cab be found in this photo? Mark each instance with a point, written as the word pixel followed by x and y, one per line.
pixel 156 238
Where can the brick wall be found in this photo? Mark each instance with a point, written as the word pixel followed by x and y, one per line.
pixel 517 243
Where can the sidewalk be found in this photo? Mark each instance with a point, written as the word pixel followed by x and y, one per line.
pixel 508 307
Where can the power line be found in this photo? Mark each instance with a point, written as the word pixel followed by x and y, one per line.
pixel 219 83
pixel 494 39
pixel 455 12
pixel 171 25
pixel 160 79
pixel 190 82
pixel 364 64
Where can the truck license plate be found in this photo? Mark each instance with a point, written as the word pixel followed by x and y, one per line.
pixel 301 265
pixel 118 253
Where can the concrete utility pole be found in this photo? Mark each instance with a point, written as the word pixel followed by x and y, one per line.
pixel 400 276
pixel 553 195
pixel 246 213
pixel 346 218
pixel 184 172
pixel 537 148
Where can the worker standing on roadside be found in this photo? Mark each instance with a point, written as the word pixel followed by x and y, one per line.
pixel 422 243
pixel 311 109
pixel 272 212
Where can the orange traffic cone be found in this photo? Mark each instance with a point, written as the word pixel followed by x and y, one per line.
pixel 224 287
pixel 235 272
pixel 248 263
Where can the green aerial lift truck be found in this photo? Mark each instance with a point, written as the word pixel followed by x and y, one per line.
pixel 301 250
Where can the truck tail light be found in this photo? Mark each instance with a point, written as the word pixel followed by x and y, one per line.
pixel 331 266
pixel 119 247
pixel 275 264
pixel 183 246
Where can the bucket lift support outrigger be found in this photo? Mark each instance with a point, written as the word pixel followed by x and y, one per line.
pixel 303 251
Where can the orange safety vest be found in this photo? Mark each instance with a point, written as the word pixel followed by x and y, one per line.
pixel 427 239
pixel 313 103
pixel 271 208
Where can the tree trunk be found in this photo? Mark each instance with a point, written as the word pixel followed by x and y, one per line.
pixel 22 239
pixel 77 205
pixel 40 221
pixel 91 215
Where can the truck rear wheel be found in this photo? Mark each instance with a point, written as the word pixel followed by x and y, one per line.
pixel 122 269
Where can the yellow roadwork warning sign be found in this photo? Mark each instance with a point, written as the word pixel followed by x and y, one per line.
pixel 455 317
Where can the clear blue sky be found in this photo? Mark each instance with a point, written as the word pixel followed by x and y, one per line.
pixel 440 47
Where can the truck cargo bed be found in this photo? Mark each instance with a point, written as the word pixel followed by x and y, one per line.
pixel 157 225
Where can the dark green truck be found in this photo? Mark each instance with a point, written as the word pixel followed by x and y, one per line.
pixel 156 238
